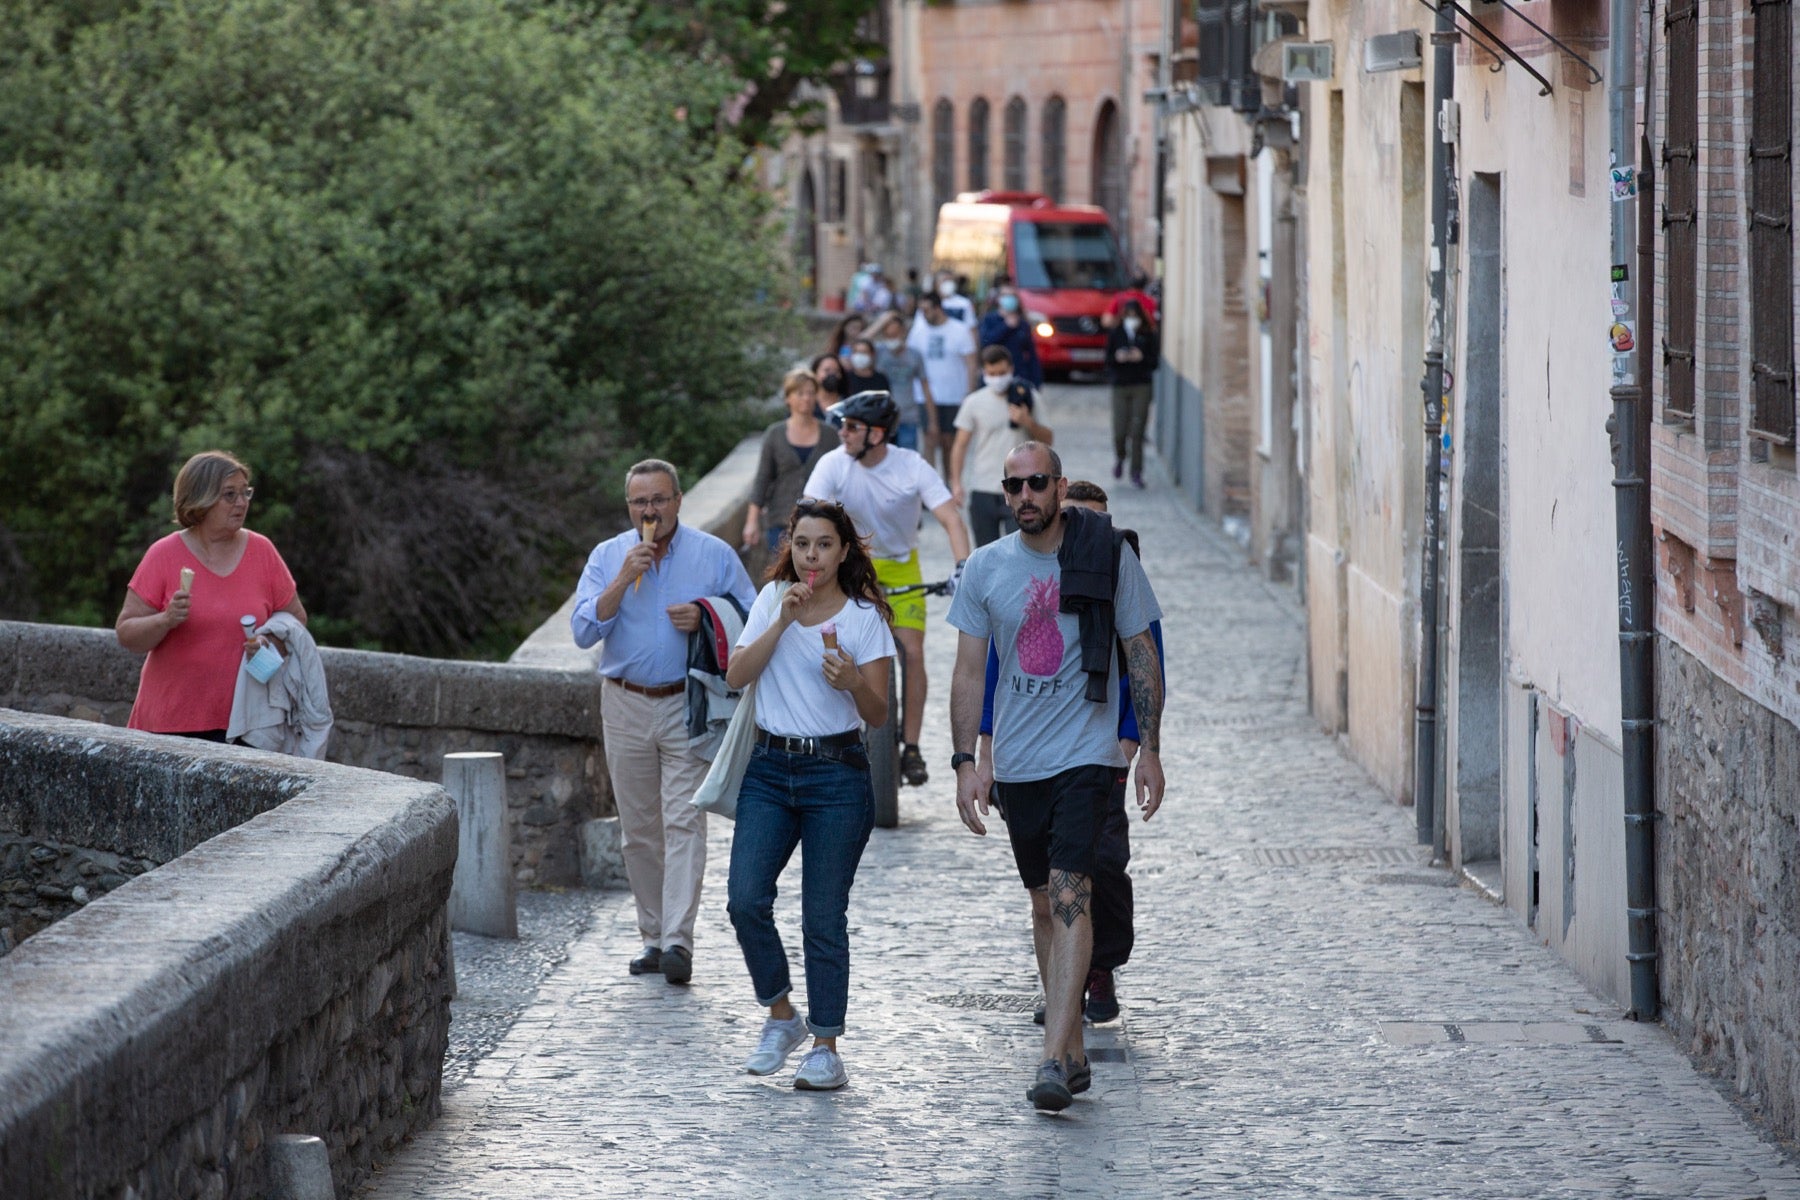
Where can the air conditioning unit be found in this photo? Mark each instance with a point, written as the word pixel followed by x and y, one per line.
pixel 1392 52
pixel 1306 62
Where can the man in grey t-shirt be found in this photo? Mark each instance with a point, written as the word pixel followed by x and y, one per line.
pixel 1055 751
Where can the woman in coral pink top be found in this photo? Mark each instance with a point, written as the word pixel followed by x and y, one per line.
pixel 188 596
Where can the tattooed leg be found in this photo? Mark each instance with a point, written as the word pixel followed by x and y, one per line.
pixel 1071 948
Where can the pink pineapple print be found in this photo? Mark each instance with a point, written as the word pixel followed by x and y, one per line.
pixel 1040 638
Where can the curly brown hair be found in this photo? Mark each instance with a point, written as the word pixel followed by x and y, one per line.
pixel 856 574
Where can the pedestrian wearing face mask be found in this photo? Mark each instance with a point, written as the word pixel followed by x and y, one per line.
pixel 997 416
pixel 1006 326
pixel 828 369
pixel 1132 352
pixel 905 368
pixel 948 349
pixel 957 306
pixel 862 376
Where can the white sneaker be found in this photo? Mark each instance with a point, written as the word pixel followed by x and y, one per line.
pixel 778 1041
pixel 821 1071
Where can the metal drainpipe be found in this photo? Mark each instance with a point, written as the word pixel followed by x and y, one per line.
pixel 1630 430
pixel 1443 241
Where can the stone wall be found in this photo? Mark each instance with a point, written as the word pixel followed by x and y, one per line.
pixel 284 972
pixel 394 713
pixel 1728 882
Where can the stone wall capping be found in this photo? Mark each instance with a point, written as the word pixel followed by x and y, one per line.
pixel 147 1018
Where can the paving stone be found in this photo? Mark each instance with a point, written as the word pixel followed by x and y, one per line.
pixel 1275 958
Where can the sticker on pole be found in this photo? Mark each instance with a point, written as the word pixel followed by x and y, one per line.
pixel 1624 184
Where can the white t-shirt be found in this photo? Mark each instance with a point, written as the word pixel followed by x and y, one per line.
pixel 793 696
pixel 944 349
pixel 885 501
pixel 959 308
pixel 991 436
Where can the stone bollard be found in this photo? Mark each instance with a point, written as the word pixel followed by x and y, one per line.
pixel 299 1168
pixel 481 892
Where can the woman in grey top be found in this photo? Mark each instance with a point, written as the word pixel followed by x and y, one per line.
pixel 903 365
pixel 791 448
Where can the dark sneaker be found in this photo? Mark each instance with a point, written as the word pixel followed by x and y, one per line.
pixel 1102 999
pixel 912 766
pixel 1037 1017
pixel 678 964
pixel 649 962
pixel 1081 1076
pixel 1118 468
pixel 1137 481
pixel 1050 1093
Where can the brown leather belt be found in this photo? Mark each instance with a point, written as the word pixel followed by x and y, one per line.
pixel 659 692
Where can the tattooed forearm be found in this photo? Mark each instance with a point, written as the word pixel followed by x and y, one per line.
pixel 1146 689
pixel 1069 895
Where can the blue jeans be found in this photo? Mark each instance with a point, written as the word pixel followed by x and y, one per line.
pixel 789 800
pixel 907 436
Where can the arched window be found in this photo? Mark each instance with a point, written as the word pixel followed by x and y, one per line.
pixel 1056 115
pixel 943 153
pixel 1013 169
pixel 978 144
pixel 1109 163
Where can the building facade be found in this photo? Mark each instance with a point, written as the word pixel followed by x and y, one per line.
pixel 1514 693
pixel 1045 96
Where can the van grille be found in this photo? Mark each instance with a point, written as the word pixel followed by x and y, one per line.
pixel 1079 326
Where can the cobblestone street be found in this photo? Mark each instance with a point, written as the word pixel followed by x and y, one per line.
pixel 1311 1010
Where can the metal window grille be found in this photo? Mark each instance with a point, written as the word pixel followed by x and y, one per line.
pixel 1680 209
pixel 1771 224
pixel 1209 21
pixel 1013 169
pixel 1055 122
pixel 978 144
pixel 943 152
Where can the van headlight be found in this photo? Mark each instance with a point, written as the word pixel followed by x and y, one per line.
pixel 1045 329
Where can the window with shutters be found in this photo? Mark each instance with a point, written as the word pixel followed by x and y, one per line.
pixel 1055 122
pixel 1108 159
pixel 1012 176
pixel 1771 224
pixel 978 144
pixel 1679 209
pixel 943 153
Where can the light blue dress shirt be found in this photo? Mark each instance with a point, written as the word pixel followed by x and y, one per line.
pixel 642 647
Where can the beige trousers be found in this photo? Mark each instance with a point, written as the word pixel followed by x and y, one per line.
pixel 663 837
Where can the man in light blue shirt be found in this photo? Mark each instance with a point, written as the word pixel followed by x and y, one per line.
pixel 638 593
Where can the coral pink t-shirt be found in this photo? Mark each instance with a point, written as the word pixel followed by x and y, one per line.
pixel 188 680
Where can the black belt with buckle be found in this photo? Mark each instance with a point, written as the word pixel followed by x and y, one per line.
pixel 827 747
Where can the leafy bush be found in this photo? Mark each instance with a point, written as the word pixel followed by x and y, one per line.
pixel 436 268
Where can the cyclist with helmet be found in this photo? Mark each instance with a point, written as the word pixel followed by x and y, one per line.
pixel 885 488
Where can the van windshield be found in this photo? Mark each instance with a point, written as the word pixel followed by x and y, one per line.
pixel 1067 255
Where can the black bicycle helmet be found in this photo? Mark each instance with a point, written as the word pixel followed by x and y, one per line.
pixel 874 409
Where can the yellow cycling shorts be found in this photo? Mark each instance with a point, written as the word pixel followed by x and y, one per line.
pixel 909 609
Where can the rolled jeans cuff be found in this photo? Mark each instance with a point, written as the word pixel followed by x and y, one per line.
pixel 777 998
pixel 824 1031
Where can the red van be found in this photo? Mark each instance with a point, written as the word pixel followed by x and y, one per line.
pixel 1063 258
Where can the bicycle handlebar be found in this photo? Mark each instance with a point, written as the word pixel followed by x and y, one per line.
pixel 930 589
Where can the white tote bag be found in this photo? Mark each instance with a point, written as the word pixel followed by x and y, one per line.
pixel 718 792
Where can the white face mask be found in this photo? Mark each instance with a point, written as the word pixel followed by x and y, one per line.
pixel 999 383
pixel 947 288
pixel 860 361
pixel 1131 326
pixel 891 345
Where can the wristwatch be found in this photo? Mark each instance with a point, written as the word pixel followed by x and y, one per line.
pixel 958 759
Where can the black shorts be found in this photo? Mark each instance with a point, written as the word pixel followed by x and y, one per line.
pixel 1054 824
pixel 946 417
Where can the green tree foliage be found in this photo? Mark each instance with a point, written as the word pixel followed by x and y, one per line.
pixel 436 268
pixel 765 50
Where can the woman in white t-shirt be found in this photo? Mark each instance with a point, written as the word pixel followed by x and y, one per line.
pixel 820 653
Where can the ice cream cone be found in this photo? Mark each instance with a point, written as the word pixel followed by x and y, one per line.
pixel 187 579
pixel 646 532
pixel 829 633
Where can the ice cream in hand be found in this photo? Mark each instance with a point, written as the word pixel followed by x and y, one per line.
pixel 812 579
pixel 187 579
pixel 646 531
pixel 829 632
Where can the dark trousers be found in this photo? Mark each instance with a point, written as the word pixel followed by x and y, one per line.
pixel 1130 417
pixel 1112 886
pixel 989 518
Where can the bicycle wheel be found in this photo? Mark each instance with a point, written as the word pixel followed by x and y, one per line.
pixel 884 761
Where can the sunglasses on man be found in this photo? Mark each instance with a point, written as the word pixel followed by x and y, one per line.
pixel 1037 483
